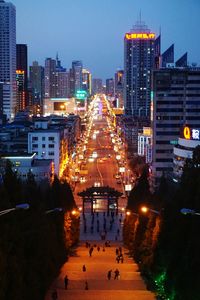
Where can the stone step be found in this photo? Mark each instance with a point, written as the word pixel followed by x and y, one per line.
pixel 105 295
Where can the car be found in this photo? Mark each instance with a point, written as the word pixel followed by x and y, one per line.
pixel 97 184
pixel 123 196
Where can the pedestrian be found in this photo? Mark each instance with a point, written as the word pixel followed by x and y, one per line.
pixel 109 274
pixel 90 251
pixel 117 274
pixel 118 231
pixel 54 295
pixel 118 259
pixel 86 285
pixel 98 248
pixel 103 249
pixel 122 259
pixel 117 251
pixel 84 268
pixel 66 281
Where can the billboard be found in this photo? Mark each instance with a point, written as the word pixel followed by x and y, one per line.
pixel 81 95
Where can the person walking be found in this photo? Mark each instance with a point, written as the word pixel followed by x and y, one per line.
pixel 86 285
pixel 84 268
pixel 98 248
pixel 54 295
pixel 117 274
pixel 90 251
pixel 66 281
pixel 109 275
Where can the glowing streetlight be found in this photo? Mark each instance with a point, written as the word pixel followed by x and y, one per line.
pixel 145 209
pixel 23 206
pixel 59 209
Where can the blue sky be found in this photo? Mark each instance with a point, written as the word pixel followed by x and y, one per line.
pixel 93 30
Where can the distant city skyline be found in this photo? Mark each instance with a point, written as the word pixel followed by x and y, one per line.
pixel 93 31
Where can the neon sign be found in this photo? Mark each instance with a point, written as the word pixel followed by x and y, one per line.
pixel 191 134
pixel 186 133
pixel 143 36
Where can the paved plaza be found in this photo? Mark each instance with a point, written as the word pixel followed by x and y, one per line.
pixel 129 285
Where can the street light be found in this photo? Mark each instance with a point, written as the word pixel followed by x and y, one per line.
pixel 54 209
pixel 188 211
pixel 146 209
pixel 22 206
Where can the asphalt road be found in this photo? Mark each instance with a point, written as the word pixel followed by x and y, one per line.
pixel 104 168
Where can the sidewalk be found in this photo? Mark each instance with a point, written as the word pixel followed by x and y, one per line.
pixel 130 285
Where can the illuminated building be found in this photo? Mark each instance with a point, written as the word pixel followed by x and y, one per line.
pixel 175 102
pixel 145 144
pixel 119 86
pixel 22 65
pixel 59 106
pixel 189 139
pixel 97 86
pixel 76 77
pixel 87 81
pixel 8 57
pixel 21 94
pixel 37 87
pixel 50 82
pixel 138 65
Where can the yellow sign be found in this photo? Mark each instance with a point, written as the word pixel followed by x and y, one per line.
pixel 186 133
pixel 143 36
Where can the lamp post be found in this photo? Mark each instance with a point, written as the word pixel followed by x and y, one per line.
pixel 188 211
pixel 23 206
pixel 146 209
pixel 59 209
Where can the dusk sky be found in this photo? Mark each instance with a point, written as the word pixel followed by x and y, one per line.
pixel 93 30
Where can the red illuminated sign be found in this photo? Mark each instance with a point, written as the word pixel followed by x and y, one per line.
pixel 143 36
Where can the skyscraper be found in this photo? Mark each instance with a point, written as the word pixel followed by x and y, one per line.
pixel 119 86
pixel 77 68
pixel 22 67
pixel 50 78
pixel 168 56
pixel 37 85
pixel 110 87
pixel 97 86
pixel 87 81
pixel 138 65
pixel 8 57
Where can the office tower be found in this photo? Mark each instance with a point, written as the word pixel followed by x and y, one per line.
pixel 37 85
pixel 119 86
pixel 21 94
pixel 22 67
pixel 97 86
pixel 8 57
pixel 138 65
pixel 110 87
pixel 87 81
pixel 1 102
pixel 168 56
pixel 63 84
pixel 50 81
pixel 77 74
pixel 176 98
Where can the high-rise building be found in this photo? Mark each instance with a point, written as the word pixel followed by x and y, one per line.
pixel 176 102
pixel 50 82
pixel 77 68
pixel 87 81
pixel 21 94
pixel 22 67
pixel 110 87
pixel 119 86
pixel 97 86
pixel 37 86
pixel 8 57
pixel 138 65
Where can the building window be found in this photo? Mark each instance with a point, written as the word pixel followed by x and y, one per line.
pixel 51 138
pixel 51 153
pixel 51 145
pixel 43 145
pixel 43 138
pixel 35 138
pixel 35 146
